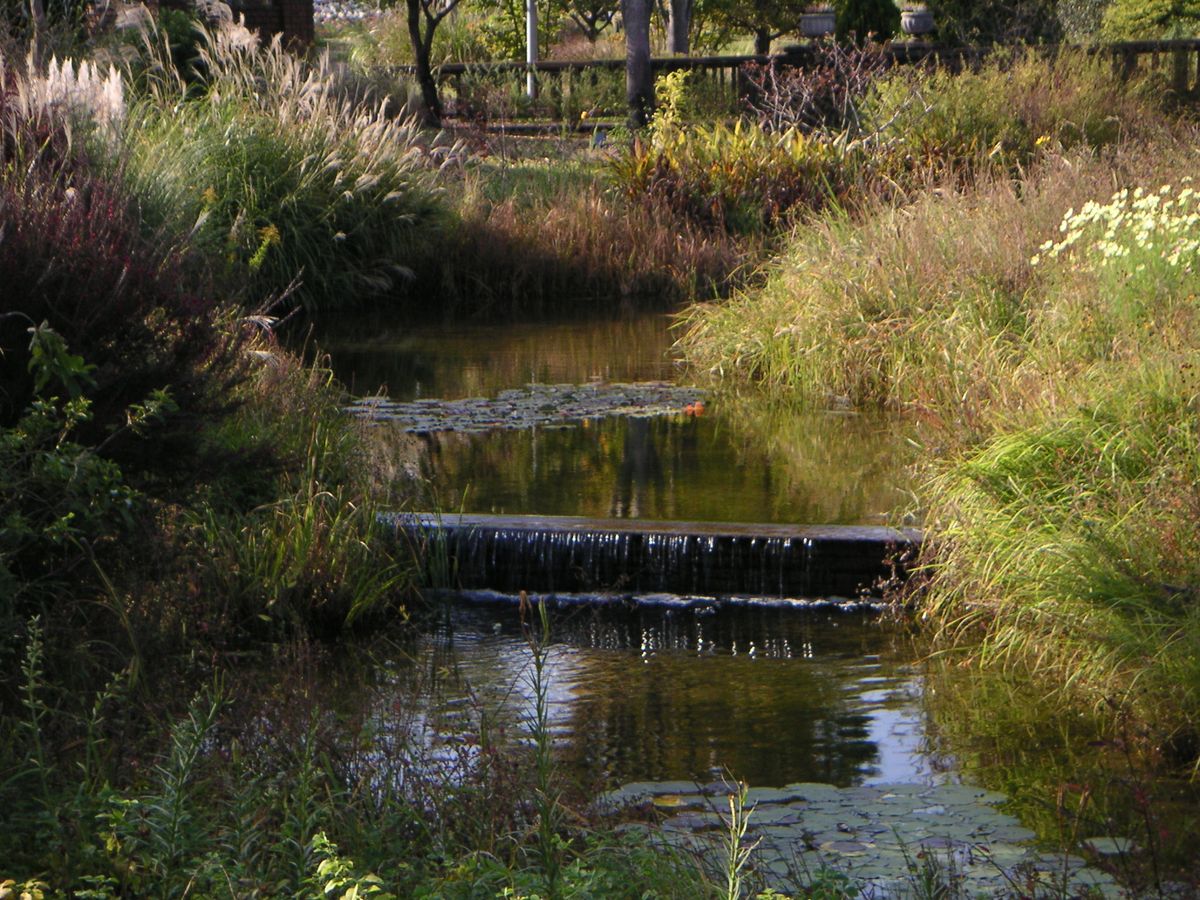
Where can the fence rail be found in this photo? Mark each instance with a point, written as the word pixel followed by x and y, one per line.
pixel 561 80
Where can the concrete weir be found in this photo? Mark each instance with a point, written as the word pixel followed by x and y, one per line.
pixel 562 554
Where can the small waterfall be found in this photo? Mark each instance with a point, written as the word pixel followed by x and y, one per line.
pixel 562 554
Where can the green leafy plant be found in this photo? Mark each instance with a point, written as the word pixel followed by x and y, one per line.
pixel 740 177
pixel 59 498
pixel 336 875
pixel 159 838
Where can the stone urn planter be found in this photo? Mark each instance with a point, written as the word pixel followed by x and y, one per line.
pixel 916 20
pixel 818 21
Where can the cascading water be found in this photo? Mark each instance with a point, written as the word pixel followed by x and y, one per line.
pixel 573 555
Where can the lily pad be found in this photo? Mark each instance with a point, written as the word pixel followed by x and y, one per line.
pixel 1110 846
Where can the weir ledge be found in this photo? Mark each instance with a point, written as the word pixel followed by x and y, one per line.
pixel 566 554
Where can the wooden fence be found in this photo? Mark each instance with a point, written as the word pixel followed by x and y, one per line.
pixel 568 87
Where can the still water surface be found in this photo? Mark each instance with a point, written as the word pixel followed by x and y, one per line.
pixel 768 696
pixel 738 461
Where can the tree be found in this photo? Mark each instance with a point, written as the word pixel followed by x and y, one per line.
pixel 592 16
pixel 424 16
pixel 506 22
pixel 679 22
pixel 639 81
pixel 864 18
pixel 1134 19
pixel 765 19
pixel 997 21
pixel 1081 19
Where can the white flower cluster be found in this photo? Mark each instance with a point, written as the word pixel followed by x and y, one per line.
pixel 1134 227
pixel 87 91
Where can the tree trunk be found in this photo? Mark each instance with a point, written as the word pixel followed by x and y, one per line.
pixel 762 42
pixel 679 20
pixel 639 82
pixel 421 54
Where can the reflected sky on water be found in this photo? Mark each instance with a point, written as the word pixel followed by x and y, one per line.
pixel 769 696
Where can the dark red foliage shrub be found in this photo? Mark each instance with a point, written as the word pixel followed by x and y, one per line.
pixel 73 255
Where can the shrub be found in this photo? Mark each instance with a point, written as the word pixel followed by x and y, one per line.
pixel 825 95
pixel 741 177
pixel 867 19
pixel 1150 19
pixel 60 501
pixel 999 21
pixel 1003 113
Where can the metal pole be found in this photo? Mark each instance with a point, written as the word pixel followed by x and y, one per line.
pixel 531 48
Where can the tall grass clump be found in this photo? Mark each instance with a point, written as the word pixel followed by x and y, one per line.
pixel 303 548
pixel 1074 529
pixel 926 306
pixel 939 122
pixel 282 177
pixel 1068 548
pixel 575 249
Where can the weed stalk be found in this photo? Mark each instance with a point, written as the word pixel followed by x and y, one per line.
pixel 546 801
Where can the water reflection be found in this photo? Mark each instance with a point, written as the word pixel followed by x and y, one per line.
pixel 740 461
pixel 838 470
pixel 640 478
pixel 452 362
pixel 769 696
